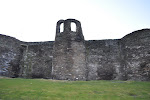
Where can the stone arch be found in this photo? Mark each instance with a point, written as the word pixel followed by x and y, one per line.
pixel 61 27
pixel 58 26
pixel 78 26
pixel 67 29
pixel 67 25
pixel 73 27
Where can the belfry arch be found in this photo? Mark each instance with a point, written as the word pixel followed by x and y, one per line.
pixel 59 23
pixel 73 27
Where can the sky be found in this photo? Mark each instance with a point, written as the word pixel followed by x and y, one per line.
pixel 35 20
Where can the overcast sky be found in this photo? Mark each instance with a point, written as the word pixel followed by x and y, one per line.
pixel 35 20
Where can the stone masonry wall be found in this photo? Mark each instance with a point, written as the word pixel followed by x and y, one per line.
pixel 37 60
pixel 10 54
pixel 136 55
pixel 70 57
pixel 25 59
pixel 123 59
pixel 103 59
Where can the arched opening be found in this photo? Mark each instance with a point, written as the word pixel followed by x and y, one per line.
pixel 73 27
pixel 61 27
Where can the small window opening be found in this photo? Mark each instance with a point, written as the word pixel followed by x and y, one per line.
pixel 61 27
pixel 73 27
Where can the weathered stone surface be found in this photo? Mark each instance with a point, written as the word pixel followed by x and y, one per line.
pixel 136 55
pixel 124 59
pixel 70 57
pixel 37 60
pixel 103 59
pixel 10 55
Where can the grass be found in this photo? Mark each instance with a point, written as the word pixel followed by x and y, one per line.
pixel 42 89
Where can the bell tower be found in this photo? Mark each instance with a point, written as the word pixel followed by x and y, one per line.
pixel 69 57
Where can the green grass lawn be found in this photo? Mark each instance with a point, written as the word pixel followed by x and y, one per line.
pixel 42 89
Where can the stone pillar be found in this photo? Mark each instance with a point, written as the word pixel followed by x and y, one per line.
pixel 69 57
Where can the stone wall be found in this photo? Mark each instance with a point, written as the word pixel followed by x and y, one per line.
pixel 123 59
pixel 37 60
pixel 70 57
pixel 103 59
pixel 136 55
pixel 25 59
pixel 10 54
